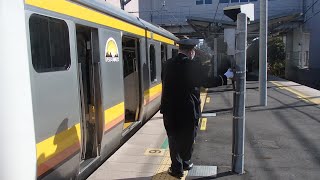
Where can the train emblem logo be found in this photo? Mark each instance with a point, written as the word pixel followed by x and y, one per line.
pixel 112 51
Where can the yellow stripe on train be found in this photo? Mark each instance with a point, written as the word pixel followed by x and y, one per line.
pixel 153 91
pixel 52 146
pixel 113 112
pixel 81 12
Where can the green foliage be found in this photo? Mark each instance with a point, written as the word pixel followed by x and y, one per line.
pixel 276 57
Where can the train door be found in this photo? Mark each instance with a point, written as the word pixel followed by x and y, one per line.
pixel 89 82
pixel 131 79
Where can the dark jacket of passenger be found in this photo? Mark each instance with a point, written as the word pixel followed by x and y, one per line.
pixel 181 82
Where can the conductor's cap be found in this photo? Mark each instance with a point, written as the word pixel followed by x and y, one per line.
pixel 190 43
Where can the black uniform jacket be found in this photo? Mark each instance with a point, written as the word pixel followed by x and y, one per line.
pixel 181 82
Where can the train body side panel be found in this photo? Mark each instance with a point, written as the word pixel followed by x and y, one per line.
pixel 57 101
pixel 55 97
pixel 112 91
pixel 152 93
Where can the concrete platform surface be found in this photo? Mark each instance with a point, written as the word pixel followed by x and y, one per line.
pixel 282 139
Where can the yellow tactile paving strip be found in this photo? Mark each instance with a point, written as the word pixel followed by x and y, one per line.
pixel 300 95
pixel 203 124
pixel 161 172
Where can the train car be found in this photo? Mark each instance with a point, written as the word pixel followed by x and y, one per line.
pixel 95 78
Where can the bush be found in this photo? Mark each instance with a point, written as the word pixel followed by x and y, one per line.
pixel 276 57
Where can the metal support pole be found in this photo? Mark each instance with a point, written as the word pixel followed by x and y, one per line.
pixel 263 52
pixel 215 60
pixel 240 96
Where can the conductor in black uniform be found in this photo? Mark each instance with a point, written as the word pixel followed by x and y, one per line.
pixel 182 78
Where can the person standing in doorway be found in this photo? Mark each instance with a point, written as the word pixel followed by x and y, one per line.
pixel 182 77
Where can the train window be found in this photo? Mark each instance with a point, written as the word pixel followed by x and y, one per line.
pixel 50 49
pixel 174 52
pixel 163 53
pixel 152 59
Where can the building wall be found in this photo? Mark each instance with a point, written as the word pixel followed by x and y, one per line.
pixel 312 26
pixel 175 12
pixel 115 3
pixel 308 52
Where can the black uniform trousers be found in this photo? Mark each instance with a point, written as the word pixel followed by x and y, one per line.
pixel 181 139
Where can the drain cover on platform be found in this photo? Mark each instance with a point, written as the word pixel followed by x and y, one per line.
pixel 203 171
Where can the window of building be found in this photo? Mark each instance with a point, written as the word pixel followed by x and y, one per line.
pixel 208 1
pixel 244 0
pixel 152 59
pixel 234 1
pixel 198 2
pixel 49 39
pixel 224 1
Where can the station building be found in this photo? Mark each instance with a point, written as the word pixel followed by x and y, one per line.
pixel 297 22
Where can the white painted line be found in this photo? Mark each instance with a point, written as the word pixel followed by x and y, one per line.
pixel 209 115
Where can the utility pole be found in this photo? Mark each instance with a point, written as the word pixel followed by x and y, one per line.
pixel 263 45
pixel 240 95
pixel 215 57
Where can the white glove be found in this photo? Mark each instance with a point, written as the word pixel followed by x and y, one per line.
pixel 229 73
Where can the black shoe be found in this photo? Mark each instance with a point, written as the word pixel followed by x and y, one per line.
pixel 188 167
pixel 175 174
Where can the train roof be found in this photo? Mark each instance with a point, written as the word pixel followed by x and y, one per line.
pixel 109 9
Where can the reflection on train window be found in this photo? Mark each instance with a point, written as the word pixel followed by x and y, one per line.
pixel 163 53
pixel 174 52
pixel 49 38
pixel 129 55
pixel 152 63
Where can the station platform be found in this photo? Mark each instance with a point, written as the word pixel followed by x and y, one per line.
pixel 282 140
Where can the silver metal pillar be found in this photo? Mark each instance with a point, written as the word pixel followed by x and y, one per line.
pixel 17 136
pixel 240 96
pixel 215 48
pixel 263 45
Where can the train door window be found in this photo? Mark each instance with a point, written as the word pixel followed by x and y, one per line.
pixel 174 52
pixel 130 54
pixel 152 59
pixel 163 53
pixel 50 48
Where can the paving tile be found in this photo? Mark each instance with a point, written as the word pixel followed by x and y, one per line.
pixel 117 175
pixel 136 159
pixel 130 167
pixel 151 141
